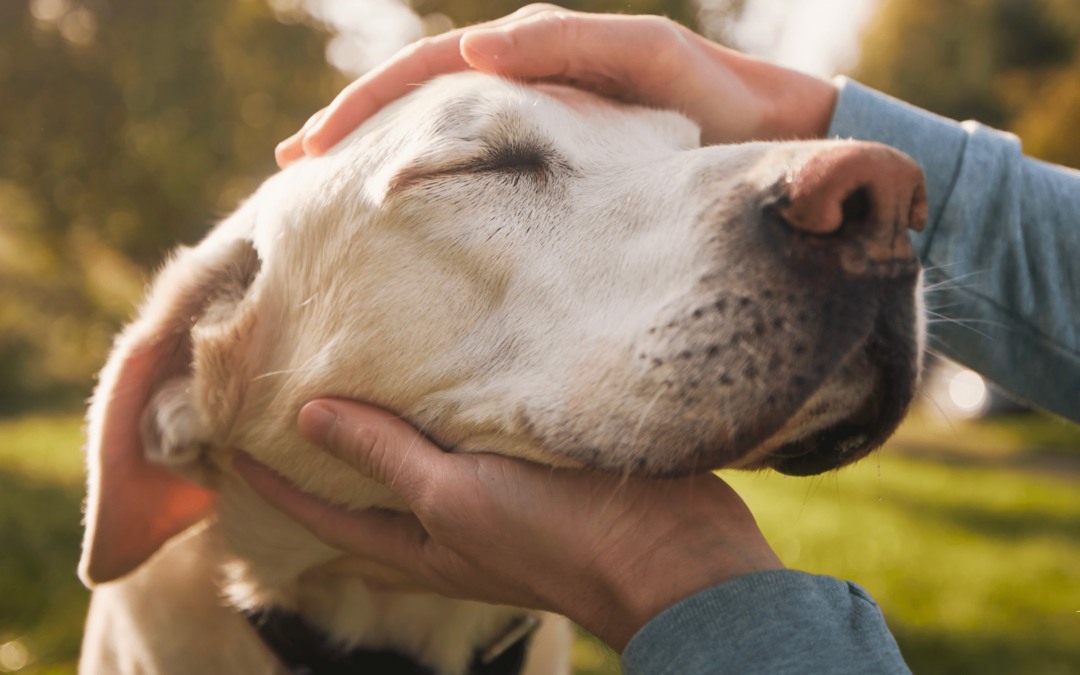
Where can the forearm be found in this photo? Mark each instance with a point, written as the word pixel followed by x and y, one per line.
pixel 1000 247
pixel 780 622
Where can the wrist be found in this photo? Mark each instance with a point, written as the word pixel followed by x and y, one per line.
pixel 800 108
pixel 790 105
pixel 692 553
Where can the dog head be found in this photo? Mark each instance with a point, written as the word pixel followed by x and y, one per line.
pixel 532 271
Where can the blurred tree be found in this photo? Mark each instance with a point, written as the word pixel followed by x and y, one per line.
pixel 127 126
pixel 465 12
pixel 1012 64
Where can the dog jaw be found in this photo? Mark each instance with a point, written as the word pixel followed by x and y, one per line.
pixel 575 286
pixel 602 304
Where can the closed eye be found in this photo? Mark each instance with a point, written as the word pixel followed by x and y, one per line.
pixel 514 156
pixel 512 159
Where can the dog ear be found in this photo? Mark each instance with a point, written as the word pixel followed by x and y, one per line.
pixel 143 417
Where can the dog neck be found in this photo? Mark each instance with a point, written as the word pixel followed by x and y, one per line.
pixel 305 649
pixel 269 564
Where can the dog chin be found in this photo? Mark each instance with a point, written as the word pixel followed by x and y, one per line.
pixel 870 420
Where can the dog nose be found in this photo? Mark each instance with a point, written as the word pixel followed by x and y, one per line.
pixel 862 192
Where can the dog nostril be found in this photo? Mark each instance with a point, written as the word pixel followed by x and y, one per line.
pixel 856 209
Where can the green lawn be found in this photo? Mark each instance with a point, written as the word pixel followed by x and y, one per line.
pixel 967 534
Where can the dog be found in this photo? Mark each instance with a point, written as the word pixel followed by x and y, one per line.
pixel 529 270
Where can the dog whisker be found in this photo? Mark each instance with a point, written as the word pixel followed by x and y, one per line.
pixel 304 367
pixel 935 268
pixel 645 413
pixel 951 280
pixel 288 371
pixel 962 322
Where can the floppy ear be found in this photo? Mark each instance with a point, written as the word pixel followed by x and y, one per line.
pixel 143 417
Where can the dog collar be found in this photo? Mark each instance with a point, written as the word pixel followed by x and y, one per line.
pixel 306 650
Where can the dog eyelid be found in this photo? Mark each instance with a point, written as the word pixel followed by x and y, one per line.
pixel 499 159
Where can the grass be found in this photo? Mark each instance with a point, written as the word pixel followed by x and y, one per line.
pixel 42 602
pixel 967 535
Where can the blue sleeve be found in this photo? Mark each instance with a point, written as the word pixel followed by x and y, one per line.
pixel 780 622
pixel 1001 247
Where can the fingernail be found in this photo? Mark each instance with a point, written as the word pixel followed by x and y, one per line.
pixel 310 148
pixel 487 43
pixel 318 424
pixel 311 134
pixel 284 154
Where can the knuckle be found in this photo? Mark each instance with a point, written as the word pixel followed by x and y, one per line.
pixel 443 572
pixel 661 31
pixel 538 7
pixel 416 47
pixel 370 449
pixel 425 504
pixel 324 532
pixel 563 31
pixel 667 46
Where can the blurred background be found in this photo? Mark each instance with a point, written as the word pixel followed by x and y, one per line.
pixel 127 126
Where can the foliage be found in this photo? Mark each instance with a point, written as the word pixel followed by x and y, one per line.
pixel 465 12
pixel 1011 64
pixel 40 496
pixel 130 124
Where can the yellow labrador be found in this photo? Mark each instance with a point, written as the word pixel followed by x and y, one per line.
pixel 532 271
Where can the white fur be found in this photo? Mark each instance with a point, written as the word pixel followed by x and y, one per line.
pixel 495 308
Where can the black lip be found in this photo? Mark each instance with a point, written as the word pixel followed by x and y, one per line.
pixel 893 350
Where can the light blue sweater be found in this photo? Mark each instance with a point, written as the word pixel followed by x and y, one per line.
pixel 1004 235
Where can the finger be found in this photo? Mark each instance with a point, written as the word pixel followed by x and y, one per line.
pixel 292 148
pixel 395 539
pixel 410 67
pixel 376 443
pixel 562 45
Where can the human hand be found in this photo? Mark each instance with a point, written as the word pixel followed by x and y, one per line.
pixel 648 60
pixel 608 552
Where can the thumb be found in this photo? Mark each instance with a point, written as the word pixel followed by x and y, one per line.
pixel 393 539
pixel 292 148
pixel 379 445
